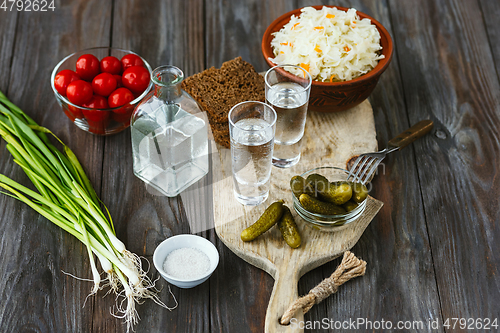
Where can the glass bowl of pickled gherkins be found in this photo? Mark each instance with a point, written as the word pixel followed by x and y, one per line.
pixel 326 200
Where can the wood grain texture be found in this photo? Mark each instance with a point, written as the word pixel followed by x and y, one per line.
pixel 449 76
pixel 396 244
pixel 36 295
pixel 329 140
pixel 8 21
pixel 235 28
pixel 431 250
pixel 490 11
pixel 8 270
pixel 157 31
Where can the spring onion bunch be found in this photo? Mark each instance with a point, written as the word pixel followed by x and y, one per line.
pixel 66 197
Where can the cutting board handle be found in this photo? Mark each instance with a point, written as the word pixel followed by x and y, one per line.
pixel 285 291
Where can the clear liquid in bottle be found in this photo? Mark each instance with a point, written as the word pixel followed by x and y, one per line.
pixel 170 144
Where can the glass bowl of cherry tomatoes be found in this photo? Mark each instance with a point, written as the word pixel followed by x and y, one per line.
pixel 98 88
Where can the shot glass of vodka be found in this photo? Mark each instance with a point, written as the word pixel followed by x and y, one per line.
pixel 251 128
pixel 287 91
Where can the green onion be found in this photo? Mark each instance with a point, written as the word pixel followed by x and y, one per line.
pixel 66 197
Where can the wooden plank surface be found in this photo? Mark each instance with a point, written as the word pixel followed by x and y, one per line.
pixel 235 28
pixel 142 219
pixel 400 282
pixel 35 292
pixel 334 138
pixel 490 11
pixel 432 250
pixel 449 76
pixel 8 23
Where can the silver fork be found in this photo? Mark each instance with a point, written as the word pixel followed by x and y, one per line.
pixel 370 161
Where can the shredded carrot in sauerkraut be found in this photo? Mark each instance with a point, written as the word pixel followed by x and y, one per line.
pixel 333 44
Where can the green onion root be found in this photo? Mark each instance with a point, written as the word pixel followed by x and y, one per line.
pixel 66 197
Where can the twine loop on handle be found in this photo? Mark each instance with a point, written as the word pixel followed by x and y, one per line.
pixel 349 268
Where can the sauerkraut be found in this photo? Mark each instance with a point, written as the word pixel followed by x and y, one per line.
pixel 331 44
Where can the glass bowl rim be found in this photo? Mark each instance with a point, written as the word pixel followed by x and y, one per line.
pixel 65 100
pixel 348 215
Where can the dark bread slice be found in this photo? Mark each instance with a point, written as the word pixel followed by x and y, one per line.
pixel 222 139
pixel 220 131
pixel 218 90
pixel 218 126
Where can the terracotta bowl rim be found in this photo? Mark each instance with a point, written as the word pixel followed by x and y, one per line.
pixel 373 74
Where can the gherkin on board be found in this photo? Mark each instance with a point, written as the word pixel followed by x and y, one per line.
pixel 270 217
pixel 288 229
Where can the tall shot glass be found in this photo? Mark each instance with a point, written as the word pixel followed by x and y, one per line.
pixel 287 91
pixel 251 128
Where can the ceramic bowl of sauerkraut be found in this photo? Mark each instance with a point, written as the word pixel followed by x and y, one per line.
pixel 345 52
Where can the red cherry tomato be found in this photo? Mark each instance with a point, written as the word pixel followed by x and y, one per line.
pixel 73 112
pixel 69 115
pixel 79 92
pixel 98 103
pixel 136 79
pixel 131 60
pixel 119 83
pixel 87 66
pixel 97 119
pixel 104 84
pixel 119 97
pixel 63 79
pixel 111 65
pixel 98 127
pixel 123 115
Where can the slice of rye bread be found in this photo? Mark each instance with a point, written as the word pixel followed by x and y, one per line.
pixel 218 90
pixel 220 131
pixel 222 138
pixel 218 126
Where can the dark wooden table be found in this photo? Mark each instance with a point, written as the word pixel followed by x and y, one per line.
pixel 432 251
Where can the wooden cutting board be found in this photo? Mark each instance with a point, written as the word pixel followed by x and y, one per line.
pixel 329 140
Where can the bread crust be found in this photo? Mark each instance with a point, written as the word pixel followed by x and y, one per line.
pixel 218 90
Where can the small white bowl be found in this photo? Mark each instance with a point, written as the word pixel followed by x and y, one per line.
pixel 186 240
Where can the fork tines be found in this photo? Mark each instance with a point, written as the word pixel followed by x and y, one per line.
pixel 364 167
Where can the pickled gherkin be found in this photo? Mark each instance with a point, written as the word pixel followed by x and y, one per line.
pixel 270 217
pixel 329 198
pixel 313 205
pixel 288 229
pixel 298 185
pixel 350 205
pixel 337 193
pixel 359 192
pixel 316 184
